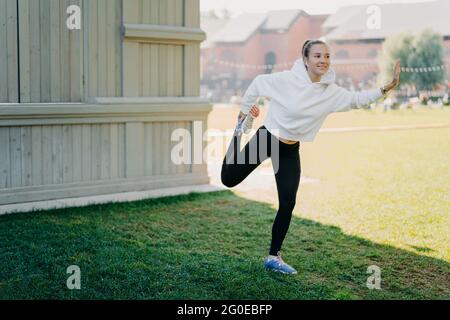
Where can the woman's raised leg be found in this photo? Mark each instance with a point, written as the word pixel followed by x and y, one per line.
pixel 237 164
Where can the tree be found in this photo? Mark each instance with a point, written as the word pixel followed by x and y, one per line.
pixel 424 50
pixel 429 52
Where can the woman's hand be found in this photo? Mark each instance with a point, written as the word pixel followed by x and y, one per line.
pixel 254 111
pixel 396 80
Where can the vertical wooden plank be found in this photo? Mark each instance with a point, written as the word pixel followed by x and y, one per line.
pixel 26 156
pixel 77 154
pixel 47 172
pixel 188 166
pixel 118 48
pixel 55 57
pixel 134 151
pixel 131 83
pixel 188 127
pixel 11 45
pixel 67 150
pixel 178 65
pixel 149 149
pixel 92 48
pixel 35 51
pixel 131 68
pixel 179 167
pixel 16 157
pixel 145 70
pixel 96 151
pixel 139 74
pixel 131 13
pixel 192 13
pixel 172 166
pixel 44 21
pixel 105 151
pixel 45 53
pixel 165 148
pixel 154 70
pixel 76 56
pixel 154 12
pixel 57 154
pixel 163 70
pixel 64 51
pixel 36 155
pixel 86 152
pixel 140 7
pixel 102 47
pixel 191 81
pixel 179 13
pixel 184 141
pixel 156 163
pixel 145 13
pixel 3 54
pixel 171 12
pixel 86 51
pixel 5 168
pixel 171 70
pixel 114 151
pixel 122 150
pixel 198 145
pixel 111 52
pixel 163 14
pixel 24 50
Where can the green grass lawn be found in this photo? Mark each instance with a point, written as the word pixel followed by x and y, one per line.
pixel 383 199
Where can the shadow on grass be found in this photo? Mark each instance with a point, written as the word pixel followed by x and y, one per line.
pixel 199 246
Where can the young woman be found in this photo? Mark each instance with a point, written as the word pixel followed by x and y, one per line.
pixel 300 101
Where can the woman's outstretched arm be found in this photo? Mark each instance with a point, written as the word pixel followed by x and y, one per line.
pixel 345 100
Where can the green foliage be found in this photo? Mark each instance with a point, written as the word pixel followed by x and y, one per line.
pixel 398 46
pixel 423 50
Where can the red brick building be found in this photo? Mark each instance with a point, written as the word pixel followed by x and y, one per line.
pixel 251 44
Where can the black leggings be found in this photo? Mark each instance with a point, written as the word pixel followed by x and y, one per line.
pixel 237 165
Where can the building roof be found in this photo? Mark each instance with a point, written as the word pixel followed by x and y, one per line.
pixel 281 19
pixel 211 25
pixel 241 28
pixel 350 22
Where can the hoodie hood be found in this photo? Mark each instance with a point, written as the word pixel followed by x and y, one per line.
pixel 300 72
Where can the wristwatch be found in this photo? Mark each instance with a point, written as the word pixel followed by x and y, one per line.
pixel 383 90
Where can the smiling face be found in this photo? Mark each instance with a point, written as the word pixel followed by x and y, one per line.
pixel 318 60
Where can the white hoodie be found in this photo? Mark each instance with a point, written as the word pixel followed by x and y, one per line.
pixel 298 107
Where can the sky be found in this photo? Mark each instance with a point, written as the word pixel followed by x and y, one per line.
pixel 310 6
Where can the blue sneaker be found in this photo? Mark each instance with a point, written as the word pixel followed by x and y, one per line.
pixel 278 265
pixel 238 131
pixel 247 124
pixel 244 124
